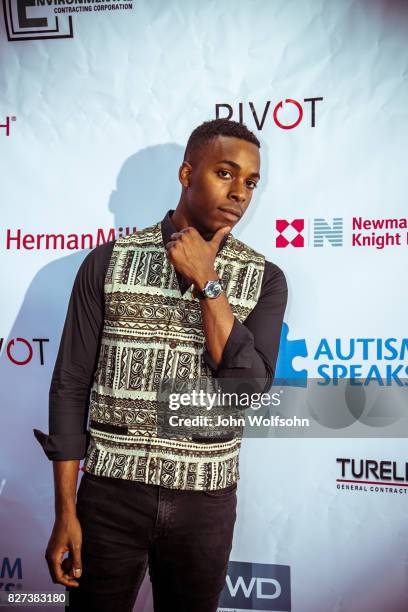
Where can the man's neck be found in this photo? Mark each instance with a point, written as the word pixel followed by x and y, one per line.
pixel 181 221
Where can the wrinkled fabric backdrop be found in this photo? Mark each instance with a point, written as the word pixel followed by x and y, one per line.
pixel 96 107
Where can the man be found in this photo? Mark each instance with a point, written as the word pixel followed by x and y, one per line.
pixel 182 299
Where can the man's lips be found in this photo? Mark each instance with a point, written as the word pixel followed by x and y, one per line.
pixel 230 212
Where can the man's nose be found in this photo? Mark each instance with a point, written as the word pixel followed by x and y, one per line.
pixel 237 194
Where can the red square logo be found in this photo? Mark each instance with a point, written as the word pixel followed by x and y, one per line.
pixel 289 233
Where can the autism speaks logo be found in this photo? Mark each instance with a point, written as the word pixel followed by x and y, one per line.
pixel 288 350
pixel 362 360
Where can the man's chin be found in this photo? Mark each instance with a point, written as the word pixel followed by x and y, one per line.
pixel 219 225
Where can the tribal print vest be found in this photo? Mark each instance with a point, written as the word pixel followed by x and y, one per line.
pixel 151 332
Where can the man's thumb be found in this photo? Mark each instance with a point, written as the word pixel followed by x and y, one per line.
pixel 76 563
pixel 219 234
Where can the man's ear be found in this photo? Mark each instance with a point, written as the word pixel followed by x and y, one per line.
pixel 184 173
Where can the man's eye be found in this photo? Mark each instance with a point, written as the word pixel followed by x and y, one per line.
pixel 252 184
pixel 225 172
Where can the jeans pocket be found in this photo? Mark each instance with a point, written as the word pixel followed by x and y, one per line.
pixel 225 493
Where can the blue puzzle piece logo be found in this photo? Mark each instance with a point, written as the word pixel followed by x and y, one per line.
pixel 288 350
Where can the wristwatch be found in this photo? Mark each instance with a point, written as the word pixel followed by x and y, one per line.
pixel 212 289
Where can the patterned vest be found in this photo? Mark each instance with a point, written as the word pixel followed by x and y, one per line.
pixel 150 332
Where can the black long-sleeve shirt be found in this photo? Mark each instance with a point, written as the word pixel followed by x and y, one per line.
pixel 250 352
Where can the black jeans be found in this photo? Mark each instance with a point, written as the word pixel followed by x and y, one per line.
pixel 183 537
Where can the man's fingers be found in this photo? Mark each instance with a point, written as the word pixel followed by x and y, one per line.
pixel 182 232
pixel 76 569
pixel 59 571
pixel 219 235
pixel 177 235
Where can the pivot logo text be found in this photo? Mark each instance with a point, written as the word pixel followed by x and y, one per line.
pixel 19 26
pixel 291 233
pixel 256 586
pixel 286 114
pixel 9 573
pixel 20 351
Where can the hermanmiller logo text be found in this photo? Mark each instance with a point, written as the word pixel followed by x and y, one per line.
pixel 18 240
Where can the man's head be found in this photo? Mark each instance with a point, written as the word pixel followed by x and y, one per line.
pixel 219 173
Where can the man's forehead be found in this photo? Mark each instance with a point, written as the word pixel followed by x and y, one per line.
pixel 235 149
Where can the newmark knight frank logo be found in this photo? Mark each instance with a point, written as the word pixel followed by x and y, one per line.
pixel 291 233
pixel 378 233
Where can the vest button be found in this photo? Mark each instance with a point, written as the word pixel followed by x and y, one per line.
pixel 172 344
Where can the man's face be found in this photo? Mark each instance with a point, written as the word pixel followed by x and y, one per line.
pixel 222 178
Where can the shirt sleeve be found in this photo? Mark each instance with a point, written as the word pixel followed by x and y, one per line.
pixel 252 347
pixel 76 361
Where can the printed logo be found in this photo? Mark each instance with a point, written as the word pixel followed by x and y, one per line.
pixel 288 351
pixel 11 574
pixel 290 233
pixel 256 586
pixel 362 360
pixel 21 27
pixel 19 240
pixel 333 233
pixel 372 476
pixel 21 351
pixel 37 19
pixel 361 233
pixel 6 126
pixel 286 114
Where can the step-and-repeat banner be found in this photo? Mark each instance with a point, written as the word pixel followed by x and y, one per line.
pixel 97 100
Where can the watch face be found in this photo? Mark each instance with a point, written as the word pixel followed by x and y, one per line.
pixel 212 289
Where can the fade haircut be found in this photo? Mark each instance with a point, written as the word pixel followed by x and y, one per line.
pixel 217 127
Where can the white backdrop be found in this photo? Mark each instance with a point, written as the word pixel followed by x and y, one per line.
pixel 92 132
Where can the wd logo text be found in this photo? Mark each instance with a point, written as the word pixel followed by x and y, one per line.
pixel 292 233
pixel 21 26
pixel 11 574
pixel 256 586
pixel 5 127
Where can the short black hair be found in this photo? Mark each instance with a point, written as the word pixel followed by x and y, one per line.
pixel 208 130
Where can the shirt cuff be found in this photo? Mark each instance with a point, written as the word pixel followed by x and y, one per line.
pixel 63 447
pixel 238 350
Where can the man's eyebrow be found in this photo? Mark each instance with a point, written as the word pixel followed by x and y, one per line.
pixel 237 166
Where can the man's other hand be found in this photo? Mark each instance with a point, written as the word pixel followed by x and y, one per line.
pixel 66 537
